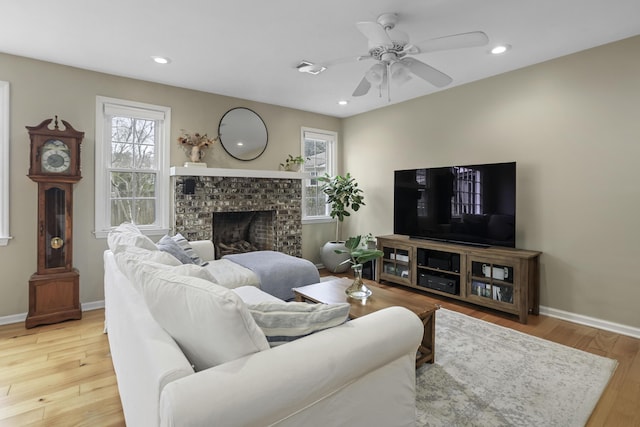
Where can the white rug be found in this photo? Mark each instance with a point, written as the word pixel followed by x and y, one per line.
pixel 488 375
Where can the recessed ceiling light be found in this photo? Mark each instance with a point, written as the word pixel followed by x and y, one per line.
pixel 343 102
pixel 500 49
pixel 161 59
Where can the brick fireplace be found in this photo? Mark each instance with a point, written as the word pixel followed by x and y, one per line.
pixel 259 208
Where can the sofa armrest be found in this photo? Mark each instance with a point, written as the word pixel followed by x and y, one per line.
pixel 204 249
pixel 371 359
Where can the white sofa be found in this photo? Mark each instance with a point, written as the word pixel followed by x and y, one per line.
pixel 361 373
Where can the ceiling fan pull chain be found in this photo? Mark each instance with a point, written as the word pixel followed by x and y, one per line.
pixel 388 82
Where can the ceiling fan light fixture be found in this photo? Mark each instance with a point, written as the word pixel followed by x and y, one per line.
pixel 399 73
pixel 375 75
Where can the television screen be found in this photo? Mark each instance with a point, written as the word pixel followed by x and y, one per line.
pixel 472 204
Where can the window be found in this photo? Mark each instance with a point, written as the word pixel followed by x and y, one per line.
pixel 4 163
pixel 132 165
pixel 466 192
pixel 319 151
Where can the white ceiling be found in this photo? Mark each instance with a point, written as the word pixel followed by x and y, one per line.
pixel 249 48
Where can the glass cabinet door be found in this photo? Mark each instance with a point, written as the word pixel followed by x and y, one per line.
pixel 492 281
pixel 396 263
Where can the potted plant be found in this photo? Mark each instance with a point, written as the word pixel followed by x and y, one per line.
pixel 369 241
pixel 343 195
pixel 292 163
pixel 358 251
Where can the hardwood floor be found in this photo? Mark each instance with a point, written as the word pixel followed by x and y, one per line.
pixel 61 375
pixel 58 375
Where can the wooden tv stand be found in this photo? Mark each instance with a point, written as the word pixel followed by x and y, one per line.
pixel 503 279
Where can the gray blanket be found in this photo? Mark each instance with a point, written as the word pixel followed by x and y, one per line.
pixel 278 272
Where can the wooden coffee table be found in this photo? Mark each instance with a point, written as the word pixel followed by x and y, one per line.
pixel 332 291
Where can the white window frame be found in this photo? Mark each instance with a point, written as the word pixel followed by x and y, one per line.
pixel 4 164
pixel 103 156
pixel 332 160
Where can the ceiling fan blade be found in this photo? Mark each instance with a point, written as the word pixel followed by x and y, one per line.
pixel 456 41
pixel 363 87
pixel 426 72
pixel 375 33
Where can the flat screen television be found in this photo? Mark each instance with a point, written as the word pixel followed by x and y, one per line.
pixel 469 204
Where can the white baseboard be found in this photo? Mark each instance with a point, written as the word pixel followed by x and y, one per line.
pixel 14 318
pixel 19 318
pixel 547 311
pixel 591 321
pixel 95 305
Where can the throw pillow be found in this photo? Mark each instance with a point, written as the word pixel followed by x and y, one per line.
pixel 282 322
pixel 231 275
pixel 127 234
pixel 170 246
pixel 184 244
pixel 209 322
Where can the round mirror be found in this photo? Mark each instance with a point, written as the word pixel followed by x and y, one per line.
pixel 243 134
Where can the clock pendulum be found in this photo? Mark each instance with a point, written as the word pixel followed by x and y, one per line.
pixel 55 167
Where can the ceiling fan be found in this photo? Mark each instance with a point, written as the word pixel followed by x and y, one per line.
pixel 391 49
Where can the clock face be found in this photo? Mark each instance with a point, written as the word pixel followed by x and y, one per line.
pixel 55 156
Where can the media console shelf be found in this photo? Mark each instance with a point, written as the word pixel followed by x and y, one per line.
pixel 500 278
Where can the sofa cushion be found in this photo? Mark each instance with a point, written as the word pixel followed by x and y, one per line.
pixel 189 270
pixel 170 246
pixel 282 322
pixel 254 295
pixel 209 322
pixel 140 254
pixel 184 244
pixel 127 234
pixel 231 275
pixel 129 263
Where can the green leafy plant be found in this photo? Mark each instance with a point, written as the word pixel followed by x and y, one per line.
pixel 368 240
pixel 290 161
pixel 358 251
pixel 343 195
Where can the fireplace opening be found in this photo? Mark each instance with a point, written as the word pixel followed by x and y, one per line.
pixel 240 232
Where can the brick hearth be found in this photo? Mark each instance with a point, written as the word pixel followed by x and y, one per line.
pixel 197 198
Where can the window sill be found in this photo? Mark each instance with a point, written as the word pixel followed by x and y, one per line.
pixel 317 220
pixel 102 234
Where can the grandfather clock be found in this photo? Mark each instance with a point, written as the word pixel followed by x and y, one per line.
pixel 55 165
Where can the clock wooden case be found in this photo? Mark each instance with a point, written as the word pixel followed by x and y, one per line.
pixel 55 166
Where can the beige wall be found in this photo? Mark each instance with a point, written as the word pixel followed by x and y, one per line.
pixel 40 90
pixel 573 127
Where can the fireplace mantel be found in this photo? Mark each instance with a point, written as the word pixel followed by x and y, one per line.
pixel 242 173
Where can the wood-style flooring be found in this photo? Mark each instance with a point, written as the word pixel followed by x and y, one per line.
pixel 62 375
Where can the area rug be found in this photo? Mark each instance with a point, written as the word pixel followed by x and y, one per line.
pixel 488 375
